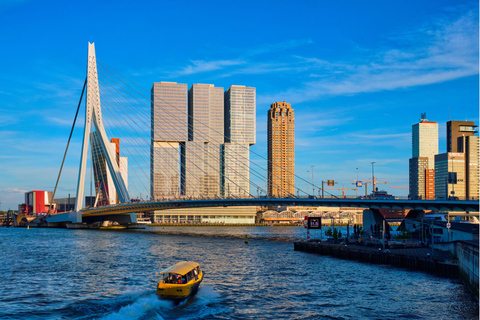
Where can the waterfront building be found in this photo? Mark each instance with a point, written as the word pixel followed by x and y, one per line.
pixel 104 186
pixel 457 130
pixel 169 132
pixel 37 201
pixel 240 128
pixel 422 164
pixel 188 146
pixel 205 137
pixel 207 215
pixel 281 150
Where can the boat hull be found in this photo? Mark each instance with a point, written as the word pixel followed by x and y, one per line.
pixel 178 292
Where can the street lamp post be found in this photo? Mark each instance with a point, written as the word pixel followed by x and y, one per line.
pixel 308 181
pixel 373 178
pixel 313 183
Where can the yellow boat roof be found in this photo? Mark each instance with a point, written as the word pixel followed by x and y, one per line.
pixel 181 268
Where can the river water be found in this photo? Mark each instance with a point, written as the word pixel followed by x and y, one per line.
pixel 97 274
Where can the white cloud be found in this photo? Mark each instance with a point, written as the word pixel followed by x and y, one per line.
pixel 198 66
pixel 448 53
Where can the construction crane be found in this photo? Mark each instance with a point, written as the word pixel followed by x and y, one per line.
pixel 366 182
pixel 343 190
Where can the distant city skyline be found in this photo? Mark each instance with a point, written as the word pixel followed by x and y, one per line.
pixel 356 87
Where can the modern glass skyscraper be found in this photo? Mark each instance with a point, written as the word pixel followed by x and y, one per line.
pixel 189 153
pixel 169 130
pixel 425 141
pixel 240 130
pixel 281 150
pixel 422 163
pixel 205 126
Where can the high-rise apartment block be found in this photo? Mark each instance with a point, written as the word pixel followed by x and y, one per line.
pixel 189 155
pixel 422 164
pixel 240 105
pixel 281 150
pixel 169 131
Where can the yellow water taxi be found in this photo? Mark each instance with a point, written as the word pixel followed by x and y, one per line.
pixel 180 281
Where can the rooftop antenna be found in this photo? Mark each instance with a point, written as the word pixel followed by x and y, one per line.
pixel 448 114
pixel 423 116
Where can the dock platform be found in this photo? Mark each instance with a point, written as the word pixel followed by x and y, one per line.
pixel 420 259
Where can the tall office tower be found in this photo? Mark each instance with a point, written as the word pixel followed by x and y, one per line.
pixel 422 163
pixel 281 150
pixel 104 187
pixel 205 136
pixel 450 175
pixel 469 145
pixel 459 165
pixel 456 130
pixel 169 132
pixel 240 126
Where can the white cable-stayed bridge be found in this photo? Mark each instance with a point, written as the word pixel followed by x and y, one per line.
pixel 116 107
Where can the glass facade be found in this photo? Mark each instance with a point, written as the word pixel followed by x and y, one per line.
pixel 422 163
pixel 169 127
pixel 447 164
pixel 236 170
pixel 425 141
pixel 205 135
pixel 169 111
pixel 240 126
pixel 165 170
pixel 193 169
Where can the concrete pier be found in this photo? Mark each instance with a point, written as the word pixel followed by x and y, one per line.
pixel 420 259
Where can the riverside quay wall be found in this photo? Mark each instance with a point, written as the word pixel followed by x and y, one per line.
pixel 467 254
pixel 420 259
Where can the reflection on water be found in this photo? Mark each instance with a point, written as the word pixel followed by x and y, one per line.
pixel 87 274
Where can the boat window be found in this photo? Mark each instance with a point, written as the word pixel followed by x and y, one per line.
pixel 170 278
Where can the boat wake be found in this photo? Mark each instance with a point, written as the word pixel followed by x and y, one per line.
pixel 147 305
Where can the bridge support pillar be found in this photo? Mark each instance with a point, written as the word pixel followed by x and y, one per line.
pixel 412 214
pixel 373 221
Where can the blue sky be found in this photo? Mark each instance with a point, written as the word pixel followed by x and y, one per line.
pixel 358 74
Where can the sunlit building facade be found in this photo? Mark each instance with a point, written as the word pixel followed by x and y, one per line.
pixel 469 145
pixel 205 137
pixel 422 164
pixel 456 130
pixel 169 132
pixel 458 168
pixel 450 175
pixel 281 150
pixel 240 132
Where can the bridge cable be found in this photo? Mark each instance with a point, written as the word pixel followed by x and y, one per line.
pixel 66 149
pixel 207 148
pixel 220 134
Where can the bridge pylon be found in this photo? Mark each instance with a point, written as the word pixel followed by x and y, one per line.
pixel 93 114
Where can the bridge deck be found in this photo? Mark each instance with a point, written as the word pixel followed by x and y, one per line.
pixel 437 205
